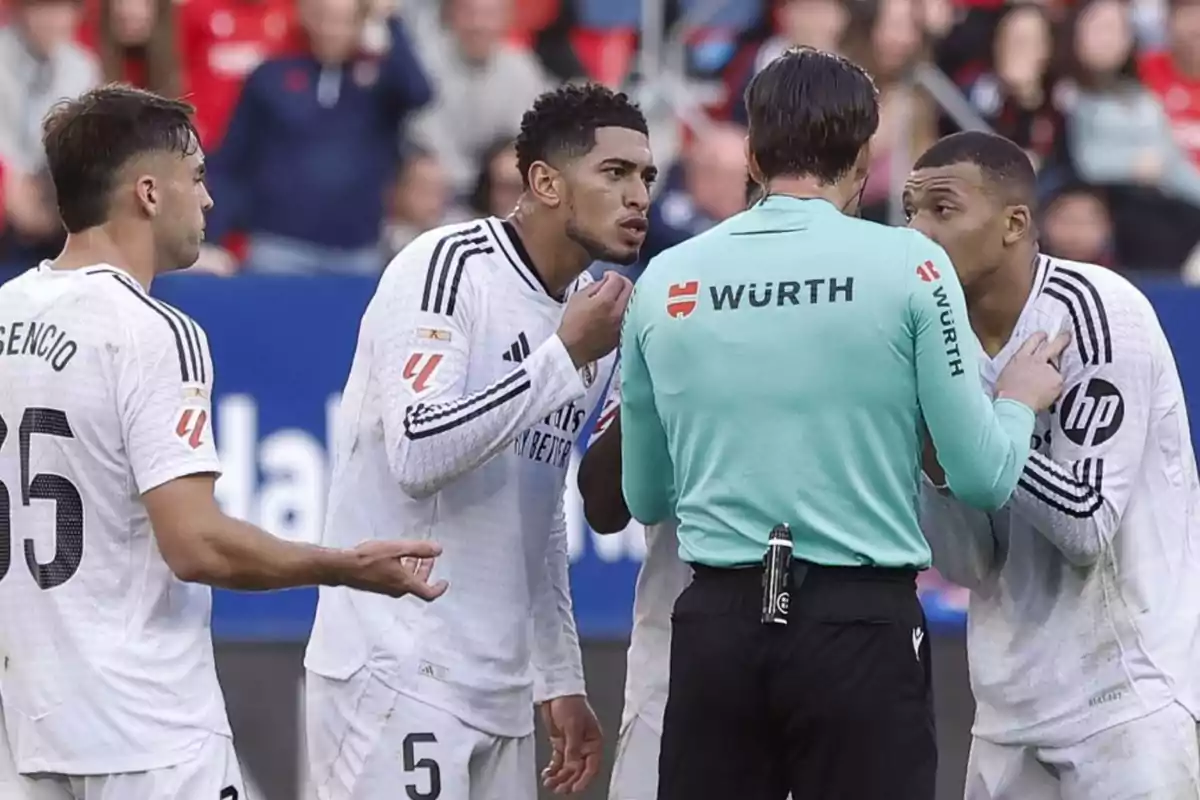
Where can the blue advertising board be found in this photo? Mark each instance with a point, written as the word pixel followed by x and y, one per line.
pixel 282 349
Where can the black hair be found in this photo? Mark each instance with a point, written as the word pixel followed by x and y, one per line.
pixel 811 113
pixel 89 140
pixel 754 191
pixel 1006 168
pixel 563 123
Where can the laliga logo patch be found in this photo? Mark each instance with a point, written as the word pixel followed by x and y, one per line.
pixel 191 425
pixel 681 298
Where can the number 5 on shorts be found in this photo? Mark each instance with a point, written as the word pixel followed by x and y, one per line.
pixel 412 764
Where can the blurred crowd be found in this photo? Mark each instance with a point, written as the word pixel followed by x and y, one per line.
pixel 337 130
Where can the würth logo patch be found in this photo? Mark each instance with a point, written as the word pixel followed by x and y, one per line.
pixel 191 425
pixel 681 298
pixel 928 272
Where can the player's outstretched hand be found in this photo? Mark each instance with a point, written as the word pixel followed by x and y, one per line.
pixel 396 568
pixel 576 742
pixel 1032 375
pixel 591 324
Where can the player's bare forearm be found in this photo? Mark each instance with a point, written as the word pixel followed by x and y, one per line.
pixel 600 482
pixel 201 544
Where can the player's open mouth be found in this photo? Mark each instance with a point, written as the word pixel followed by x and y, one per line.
pixel 636 226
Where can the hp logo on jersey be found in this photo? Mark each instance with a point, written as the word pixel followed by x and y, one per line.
pixel 1092 412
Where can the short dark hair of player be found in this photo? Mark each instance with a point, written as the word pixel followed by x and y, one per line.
pixel 754 191
pixel 811 113
pixel 562 123
pixel 89 140
pixel 1005 166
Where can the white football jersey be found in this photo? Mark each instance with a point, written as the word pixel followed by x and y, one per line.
pixel 1085 603
pixel 457 424
pixel 662 578
pixel 107 656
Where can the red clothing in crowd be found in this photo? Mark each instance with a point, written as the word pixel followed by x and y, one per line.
pixel 220 43
pixel 1180 98
pixel 223 41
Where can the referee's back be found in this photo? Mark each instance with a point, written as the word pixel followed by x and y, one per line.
pixel 789 355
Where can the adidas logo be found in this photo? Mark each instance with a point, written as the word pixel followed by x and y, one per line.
pixel 518 351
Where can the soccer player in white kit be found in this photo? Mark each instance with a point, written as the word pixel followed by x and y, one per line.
pixel 1084 615
pixel 661 579
pixel 108 523
pixel 482 354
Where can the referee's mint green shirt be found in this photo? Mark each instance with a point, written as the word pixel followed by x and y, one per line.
pixel 776 369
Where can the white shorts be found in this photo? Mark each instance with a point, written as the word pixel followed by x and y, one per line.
pixel 635 771
pixel 212 774
pixel 367 741
pixel 1156 757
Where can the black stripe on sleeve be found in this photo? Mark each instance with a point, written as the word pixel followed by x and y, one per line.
pixel 1095 309
pixel 184 375
pixel 190 337
pixel 1057 488
pixel 440 264
pixel 422 421
pixel 459 264
pixel 1084 322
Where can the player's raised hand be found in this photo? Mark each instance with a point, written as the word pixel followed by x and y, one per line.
pixel 1032 375
pixel 576 742
pixel 395 568
pixel 591 325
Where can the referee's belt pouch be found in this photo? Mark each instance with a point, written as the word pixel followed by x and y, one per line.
pixel 855 595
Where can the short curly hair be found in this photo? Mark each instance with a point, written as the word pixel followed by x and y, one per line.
pixel 563 123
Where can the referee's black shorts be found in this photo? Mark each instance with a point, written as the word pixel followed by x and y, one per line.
pixel 836 705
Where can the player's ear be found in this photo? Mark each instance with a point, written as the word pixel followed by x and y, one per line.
pixel 546 184
pixel 756 174
pixel 1019 224
pixel 146 195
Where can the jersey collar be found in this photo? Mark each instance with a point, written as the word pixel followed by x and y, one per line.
pixel 517 256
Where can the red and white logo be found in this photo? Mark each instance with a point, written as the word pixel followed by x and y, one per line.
pixel 681 298
pixel 928 272
pixel 420 369
pixel 191 426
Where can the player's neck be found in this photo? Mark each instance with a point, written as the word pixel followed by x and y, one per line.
pixel 805 187
pixel 995 302
pixel 557 260
pixel 99 245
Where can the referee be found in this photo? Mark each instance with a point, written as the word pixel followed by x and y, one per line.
pixel 775 371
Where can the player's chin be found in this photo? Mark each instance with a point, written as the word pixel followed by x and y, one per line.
pixel 623 255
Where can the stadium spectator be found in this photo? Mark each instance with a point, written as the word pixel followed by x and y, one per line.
pixel 221 43
pixel 419 201
pixel 885 37
pixel 498 186
pixel 706 187
pixel 312 147
pixel 138 43
pixel 40 64
pixel 815 23
pixel 1120 137
pixel 482 85
pixel 1174 74
pixel 1016 95
pixel 1076 226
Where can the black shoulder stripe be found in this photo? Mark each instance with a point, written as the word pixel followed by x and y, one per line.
pixel 438 274
pixel 459 263
pixel 173 323
pixel 1097 307
pixel 191 339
